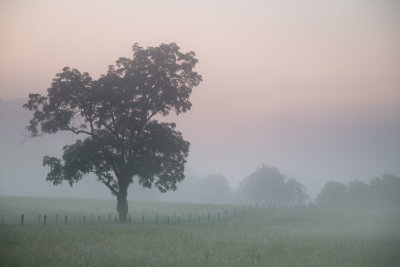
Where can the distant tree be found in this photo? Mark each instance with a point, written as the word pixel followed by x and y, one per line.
pixel 332 195
pixel 209 189
pixel 385 191
pixel 213 189
pixel 116 115
pixel 380 192
pixel 296 192
pixel 268 184
pixel 358 194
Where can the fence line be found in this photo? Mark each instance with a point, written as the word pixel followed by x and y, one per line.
pixel 141 218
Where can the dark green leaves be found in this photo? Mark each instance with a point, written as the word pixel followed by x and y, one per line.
pixel 115 114
pixel 162 156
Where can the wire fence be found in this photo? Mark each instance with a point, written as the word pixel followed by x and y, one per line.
pixel 143 217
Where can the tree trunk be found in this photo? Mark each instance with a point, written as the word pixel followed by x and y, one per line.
pixel 122 203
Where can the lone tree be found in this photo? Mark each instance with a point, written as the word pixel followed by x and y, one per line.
pixel 115 115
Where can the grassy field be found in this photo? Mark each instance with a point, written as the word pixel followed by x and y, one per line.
pixel 263 237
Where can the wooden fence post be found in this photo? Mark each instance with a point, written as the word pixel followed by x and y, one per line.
pixel 66 220
pixel 98 219
pixel 44 219
pixel 22 219
pixel 56 218
pixel 208 217
pixel 84 219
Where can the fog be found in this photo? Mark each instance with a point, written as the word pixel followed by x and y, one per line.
pixel 360 151
pixel 310 89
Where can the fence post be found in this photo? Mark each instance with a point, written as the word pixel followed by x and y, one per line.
pixel 168 219
pixel 56 218
pixel 199 218
pixel 22 219
pixel 66 220
pixel 44 219
pixel 84 219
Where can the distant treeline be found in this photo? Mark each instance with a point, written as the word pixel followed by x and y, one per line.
pixel 380 192
pixel 266 184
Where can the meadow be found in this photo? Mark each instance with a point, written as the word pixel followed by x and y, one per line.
pixel 256 237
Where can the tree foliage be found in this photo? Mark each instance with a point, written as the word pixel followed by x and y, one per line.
pixel 270 185
pixel 380 192
pixel 116 116
pixel 332 195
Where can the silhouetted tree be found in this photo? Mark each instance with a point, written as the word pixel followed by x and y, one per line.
pixel 385 191
pixel 210 189
pixel 380 192
pixel 358 194
pixel 332 195
pixel 268 184
pixel 116 115
pixel 296 192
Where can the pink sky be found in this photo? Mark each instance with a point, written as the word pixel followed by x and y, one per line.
pixel 276 63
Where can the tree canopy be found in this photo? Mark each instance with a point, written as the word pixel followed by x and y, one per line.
pixel 116 117
pixel 380 192
pixel 270 185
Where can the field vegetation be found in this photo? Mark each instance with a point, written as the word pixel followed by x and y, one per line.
pixel 257 237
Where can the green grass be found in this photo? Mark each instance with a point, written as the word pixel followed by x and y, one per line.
pixel 308 237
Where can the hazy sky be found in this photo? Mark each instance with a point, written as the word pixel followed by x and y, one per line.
pixel 311 87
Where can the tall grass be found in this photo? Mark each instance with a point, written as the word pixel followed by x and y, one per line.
pixel 264 237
